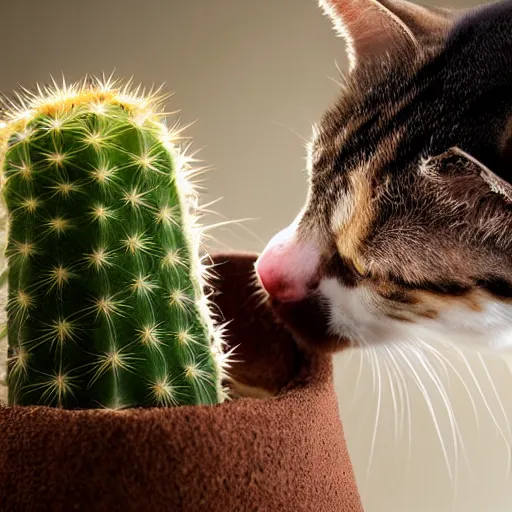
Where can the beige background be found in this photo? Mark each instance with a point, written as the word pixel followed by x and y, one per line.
pixel 255 75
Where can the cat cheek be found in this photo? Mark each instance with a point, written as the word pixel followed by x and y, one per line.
pixel 288 266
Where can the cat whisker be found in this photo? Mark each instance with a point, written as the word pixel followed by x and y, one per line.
pixel 337 82
pixel 360 371
pixel 341 73
pixel 464 359
pixel 376 371
pixel 421 386
pixel 455 430
pixel 394 400
pixel 446 362
pixel 262 298
pixel 348 362
pixel 496 394
pixel 291 130
pixel 398 372
pixel 259 295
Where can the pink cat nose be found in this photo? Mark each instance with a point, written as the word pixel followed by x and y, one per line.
pixel 276 278
pixel 287 267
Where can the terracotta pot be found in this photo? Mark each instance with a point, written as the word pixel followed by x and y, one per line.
pixel 279 453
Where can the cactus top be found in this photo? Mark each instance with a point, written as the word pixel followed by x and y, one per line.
pixel 106 303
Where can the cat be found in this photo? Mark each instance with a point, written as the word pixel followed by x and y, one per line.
pixel 406 232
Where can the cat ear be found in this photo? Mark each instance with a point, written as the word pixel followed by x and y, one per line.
pixel 455 162
pixel 374 27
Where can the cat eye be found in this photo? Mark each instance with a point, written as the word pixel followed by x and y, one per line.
pixel 353 262
pixel 359 267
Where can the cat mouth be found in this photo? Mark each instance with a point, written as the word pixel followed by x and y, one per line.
pixel 308 322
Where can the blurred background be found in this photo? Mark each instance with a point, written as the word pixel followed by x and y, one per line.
pixel 426 432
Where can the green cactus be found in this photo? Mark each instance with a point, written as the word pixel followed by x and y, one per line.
pixel 106 305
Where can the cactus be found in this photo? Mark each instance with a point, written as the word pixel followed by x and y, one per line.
pixel 106 305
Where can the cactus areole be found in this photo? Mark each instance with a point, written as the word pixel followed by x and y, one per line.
pixel 105 305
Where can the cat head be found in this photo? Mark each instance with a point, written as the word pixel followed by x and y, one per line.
pixel 406 232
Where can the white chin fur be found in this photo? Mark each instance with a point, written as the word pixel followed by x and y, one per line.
pixel 354 314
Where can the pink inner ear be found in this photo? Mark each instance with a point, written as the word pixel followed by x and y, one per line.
pixel 372 27
pixel 367 27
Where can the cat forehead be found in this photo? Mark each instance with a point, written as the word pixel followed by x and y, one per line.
pixel 430 78
pixel 357 127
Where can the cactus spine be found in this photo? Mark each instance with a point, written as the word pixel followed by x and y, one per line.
pixel 105 306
